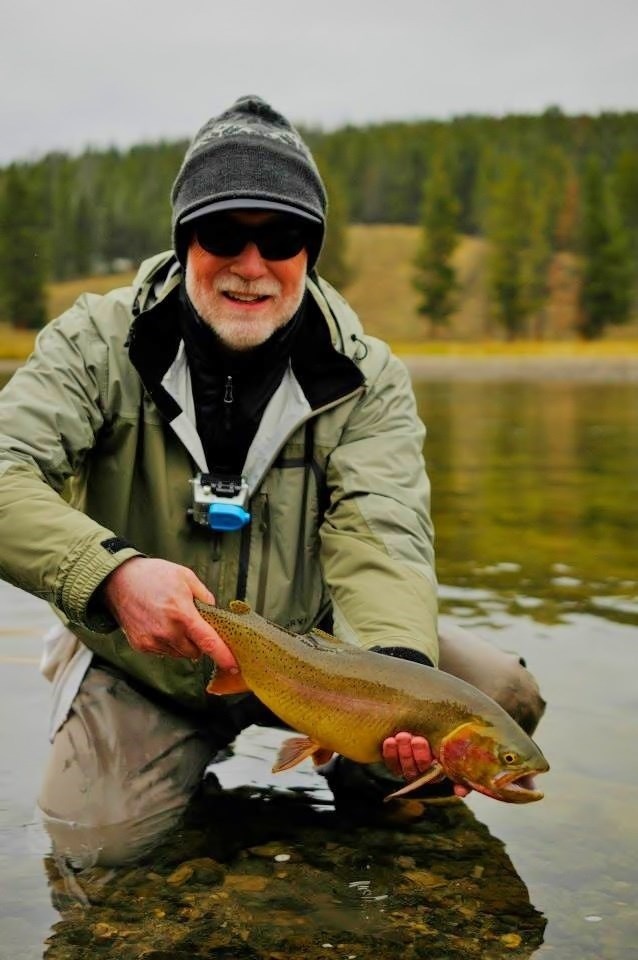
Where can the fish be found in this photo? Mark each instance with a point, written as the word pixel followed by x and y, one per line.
pixel 346 700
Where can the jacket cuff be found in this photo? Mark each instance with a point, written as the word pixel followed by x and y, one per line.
pixel 404 653
pixel 83 575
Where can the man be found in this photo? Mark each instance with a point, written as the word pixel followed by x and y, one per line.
pixel 222 429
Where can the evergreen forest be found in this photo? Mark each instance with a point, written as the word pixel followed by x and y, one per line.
pixel 532 187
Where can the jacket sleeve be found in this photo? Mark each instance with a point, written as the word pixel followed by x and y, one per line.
pixel 50 414
pixel 377 536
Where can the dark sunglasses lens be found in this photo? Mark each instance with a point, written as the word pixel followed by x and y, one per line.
pixel 280 242
pixel 226 238
pixel 222 238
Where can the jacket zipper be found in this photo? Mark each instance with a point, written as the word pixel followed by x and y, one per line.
pixel 244 552
pixel 228 403
pixel 309 416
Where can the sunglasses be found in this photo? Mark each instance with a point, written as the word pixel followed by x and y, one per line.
pixel 277 239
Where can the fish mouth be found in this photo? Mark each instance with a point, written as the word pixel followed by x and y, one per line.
pixel 517 787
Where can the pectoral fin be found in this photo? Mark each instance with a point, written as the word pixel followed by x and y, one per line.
pixel 296 749
pixel 223 681
pixel 433 774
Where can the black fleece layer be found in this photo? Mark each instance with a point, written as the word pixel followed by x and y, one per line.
pixel 230 388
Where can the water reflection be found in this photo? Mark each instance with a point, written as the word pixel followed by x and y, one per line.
pixel 268 874
pixel 535 487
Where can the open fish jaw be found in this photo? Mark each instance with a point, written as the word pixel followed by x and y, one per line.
pixel 517 786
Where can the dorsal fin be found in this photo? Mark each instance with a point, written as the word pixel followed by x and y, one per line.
pixel 239 607
pixel 324 635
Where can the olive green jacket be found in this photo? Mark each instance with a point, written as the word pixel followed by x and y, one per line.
pixel 98 447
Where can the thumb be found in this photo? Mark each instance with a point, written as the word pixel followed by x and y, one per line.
pixel 199 590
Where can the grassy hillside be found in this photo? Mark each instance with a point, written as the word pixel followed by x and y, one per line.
pixel 381 290
pixel 382 294
pixel 17 344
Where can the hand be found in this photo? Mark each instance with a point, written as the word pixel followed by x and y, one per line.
pixel 409 757
pixel 152 600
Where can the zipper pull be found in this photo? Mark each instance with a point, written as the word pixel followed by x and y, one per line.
pixel 228 401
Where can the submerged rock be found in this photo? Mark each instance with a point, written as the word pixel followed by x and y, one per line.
pixel 441 886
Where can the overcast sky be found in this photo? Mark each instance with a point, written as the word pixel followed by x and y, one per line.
pixel 77 73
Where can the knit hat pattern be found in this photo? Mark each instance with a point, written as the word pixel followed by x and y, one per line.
pixel 250 156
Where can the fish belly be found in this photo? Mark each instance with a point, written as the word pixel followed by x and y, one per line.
pixel 339 722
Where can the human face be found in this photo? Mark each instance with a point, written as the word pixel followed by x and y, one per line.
pixel 244 299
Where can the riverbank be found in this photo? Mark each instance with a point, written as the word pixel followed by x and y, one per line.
pixel 470 362
pixel 602 369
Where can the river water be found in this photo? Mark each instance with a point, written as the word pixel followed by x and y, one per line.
pixel 535 501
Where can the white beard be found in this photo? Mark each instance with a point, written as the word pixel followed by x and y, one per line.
pixel 237 329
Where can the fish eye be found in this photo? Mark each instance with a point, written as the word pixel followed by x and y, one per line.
pixel 510 757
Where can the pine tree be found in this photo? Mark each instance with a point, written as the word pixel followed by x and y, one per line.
pixel 333 263
pixel 537 259
pixel 435 277
pixel 566 227
pixel 508 226
pixel 607 272
pixel 22 249
pixel 625 184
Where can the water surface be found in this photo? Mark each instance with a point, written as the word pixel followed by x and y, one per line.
pixel 535 503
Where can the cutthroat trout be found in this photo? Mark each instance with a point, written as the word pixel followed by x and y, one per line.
pixel 348 700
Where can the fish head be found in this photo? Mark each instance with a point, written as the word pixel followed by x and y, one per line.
pixel 499 761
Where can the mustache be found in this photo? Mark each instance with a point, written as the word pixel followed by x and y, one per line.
pixel 247 288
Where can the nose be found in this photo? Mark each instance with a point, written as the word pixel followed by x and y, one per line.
pixel 249 264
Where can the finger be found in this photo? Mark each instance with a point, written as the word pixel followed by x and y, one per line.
pixel 422 753
pixel 149 643
pixel 199 590
pixel 391 756
pixel 166 647
pixel 210 643
pixel 186 648
pixel 409 768
pixel 460 791
pixel 406 756
pixel 163 650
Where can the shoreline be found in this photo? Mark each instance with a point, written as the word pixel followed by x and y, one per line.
pixel 588 369
pixel 603 368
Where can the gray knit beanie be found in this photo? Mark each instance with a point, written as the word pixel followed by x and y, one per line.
pixel 249 157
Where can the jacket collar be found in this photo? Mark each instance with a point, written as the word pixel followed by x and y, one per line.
pixel 324 360
pixel 319 374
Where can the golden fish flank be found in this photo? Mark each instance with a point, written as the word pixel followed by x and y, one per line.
pixel 347 700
